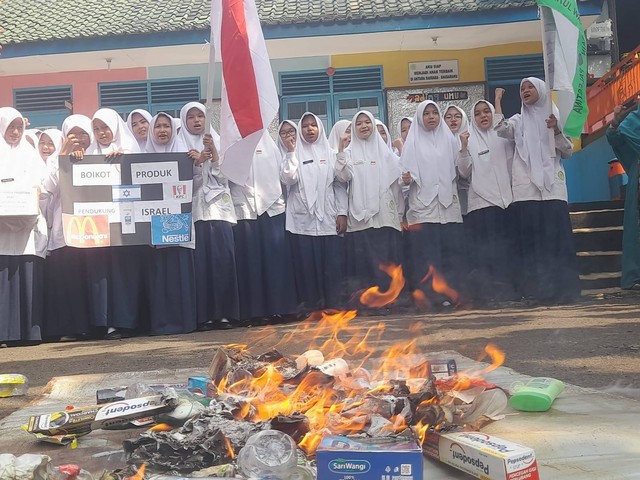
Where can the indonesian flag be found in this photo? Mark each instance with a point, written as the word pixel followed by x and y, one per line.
pixel 249 95
pixel 565 48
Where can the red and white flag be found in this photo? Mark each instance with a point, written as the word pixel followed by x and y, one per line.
pixel 249 95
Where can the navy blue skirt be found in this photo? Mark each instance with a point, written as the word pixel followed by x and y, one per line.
pixel 265 273
pixel 215 272
pixel 545 264
pixel 366 251
pixel 490 255
pixel 319 266
pixel 438 245
pixel 67 294
pixel 118 286
pixel 172 296
pixel 21 297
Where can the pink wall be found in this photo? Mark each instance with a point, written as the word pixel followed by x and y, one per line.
pixel 84 85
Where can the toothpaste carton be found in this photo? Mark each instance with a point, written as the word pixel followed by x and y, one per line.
pixel 85 419
pixel 383 458
pixel 484 456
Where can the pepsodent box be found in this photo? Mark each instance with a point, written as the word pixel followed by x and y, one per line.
pixel 384 458
pixel 84 419
pixel 484 456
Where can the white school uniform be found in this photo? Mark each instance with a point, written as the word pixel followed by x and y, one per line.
pixel 314 198
pixel 537 174
pixel 431 158
pixel 20 167
pixel 487 163
pixel 373 172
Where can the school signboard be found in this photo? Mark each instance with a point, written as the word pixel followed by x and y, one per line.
pixel 133 199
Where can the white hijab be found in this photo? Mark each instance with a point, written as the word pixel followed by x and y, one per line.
pixel 336 132
pixel 57 139
pixel 490 162
pixel 316 162
pixel 76 120
pixel 399 125
pixel 281 146
pixel 388 141
pixel 191 140
pixel 430 158
pixel 376 168
pixel 175 143
pixel 532 136
pixel 264 178
pixel 21 163
pixel 212 186
pixel 147 116
pixel 464 125
pixel 123 139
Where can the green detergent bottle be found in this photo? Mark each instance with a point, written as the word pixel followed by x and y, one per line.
pixel 536 395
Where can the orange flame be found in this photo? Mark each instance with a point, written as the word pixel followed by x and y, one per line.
pixel 421 300
pixel 373 297
pixel 140 473
pixel 230 452
pixel 439 284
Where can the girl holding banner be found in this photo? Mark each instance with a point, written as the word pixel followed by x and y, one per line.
pixel 23 233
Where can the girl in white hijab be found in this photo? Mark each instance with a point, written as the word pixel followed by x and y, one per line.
pixel 23 239
pixel 70 297
pixel 373 223
pixel 546 268
pixel 163 135
pixel 111 134
pixel 402 129
pixel 315 215
pixel 265 271
pixel 486 162
pixel 170 271
pixel 286 130
pixel 457 121
pixel 429 160
pixel 217 298
pixel 50 142
pixel 138 124
pixel 340 128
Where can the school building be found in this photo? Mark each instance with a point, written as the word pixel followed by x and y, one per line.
pixel 331 57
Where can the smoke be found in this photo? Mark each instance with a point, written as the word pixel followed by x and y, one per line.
pixel 621 389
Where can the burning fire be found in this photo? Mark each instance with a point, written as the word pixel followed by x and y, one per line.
pixel 333 384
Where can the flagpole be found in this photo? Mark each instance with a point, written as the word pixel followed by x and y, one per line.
pixel 210 78
pixel 545 56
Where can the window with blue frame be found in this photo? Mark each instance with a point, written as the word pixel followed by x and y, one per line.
pixel 45 106
pixel 332 97
pixel 507 72
pixel 166 95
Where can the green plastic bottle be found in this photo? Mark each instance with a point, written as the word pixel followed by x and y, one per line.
pixel 536 395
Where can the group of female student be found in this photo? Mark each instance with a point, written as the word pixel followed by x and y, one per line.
pixel 355 201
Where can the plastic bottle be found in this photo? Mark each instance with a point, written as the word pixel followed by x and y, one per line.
pixel 13 384
pixel 536 395
pixel 268 454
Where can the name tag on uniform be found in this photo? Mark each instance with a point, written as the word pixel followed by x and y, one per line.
pixel 323 161
pixel 484 152
pixel 373 162
pixel 6 180
pixel 307 161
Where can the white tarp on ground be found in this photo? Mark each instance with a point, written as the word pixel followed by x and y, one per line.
pixel 586 434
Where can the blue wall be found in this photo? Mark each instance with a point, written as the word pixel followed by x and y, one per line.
pixel 588 172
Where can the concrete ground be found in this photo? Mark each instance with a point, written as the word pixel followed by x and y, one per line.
pixel 595 343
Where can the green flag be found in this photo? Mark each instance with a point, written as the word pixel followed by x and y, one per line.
pixel 566 61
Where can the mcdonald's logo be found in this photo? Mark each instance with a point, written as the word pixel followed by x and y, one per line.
pixel 86 231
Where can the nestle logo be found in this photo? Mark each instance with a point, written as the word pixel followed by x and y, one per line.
pixel 349 466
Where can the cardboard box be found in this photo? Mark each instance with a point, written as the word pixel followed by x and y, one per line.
pixel 484 456
pixel 19 202
pixel 383 458
pixel 86 419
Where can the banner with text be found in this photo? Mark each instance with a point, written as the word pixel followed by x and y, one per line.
pixel 135 199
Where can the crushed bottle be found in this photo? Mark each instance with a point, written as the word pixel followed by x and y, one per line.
pixel 269 454
pixel 13 385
